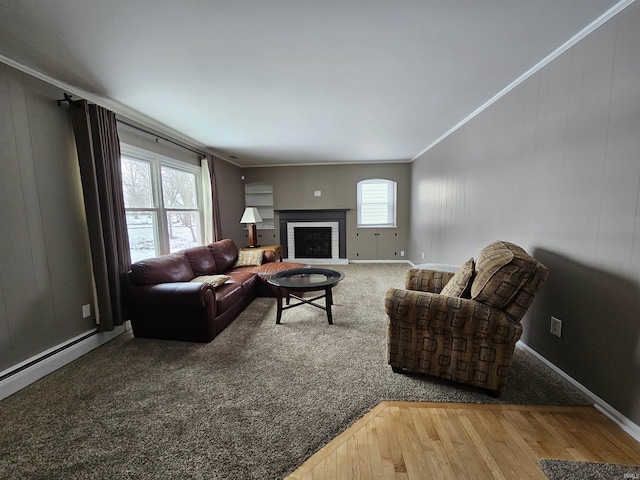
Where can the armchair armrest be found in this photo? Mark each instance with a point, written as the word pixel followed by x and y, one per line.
pixel 176 294
pixel 426 280
pixel 425 310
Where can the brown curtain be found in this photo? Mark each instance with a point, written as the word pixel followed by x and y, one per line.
pixel 98 149
pixel 215 205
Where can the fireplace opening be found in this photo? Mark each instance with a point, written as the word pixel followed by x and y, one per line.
pixel 312 242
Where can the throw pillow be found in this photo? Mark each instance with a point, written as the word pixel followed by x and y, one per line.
pixel 213 280
pixel 460 283
pixel 248 258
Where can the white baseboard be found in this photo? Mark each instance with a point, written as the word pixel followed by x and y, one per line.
pixel 318 261
pixel 339 261
pixel 44 363
pixel 380 261
pixel 603 407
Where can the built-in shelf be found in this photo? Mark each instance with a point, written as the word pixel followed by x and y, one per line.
pixel 260 195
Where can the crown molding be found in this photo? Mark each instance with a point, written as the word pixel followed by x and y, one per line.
pixel 116 107
pixel 602 19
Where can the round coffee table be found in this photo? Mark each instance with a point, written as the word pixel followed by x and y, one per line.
pixel 300 280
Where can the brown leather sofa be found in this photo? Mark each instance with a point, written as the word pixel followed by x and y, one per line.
pixel 165 298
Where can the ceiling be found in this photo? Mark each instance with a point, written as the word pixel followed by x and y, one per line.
pixel 289 82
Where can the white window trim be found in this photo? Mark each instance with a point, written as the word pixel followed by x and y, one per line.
pixel 392 203
pixel 157 161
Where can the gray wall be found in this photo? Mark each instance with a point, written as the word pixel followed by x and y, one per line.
pixel 45 265
pixel 294 187
pixel 45 272
pixel 231 197
pixel 555 167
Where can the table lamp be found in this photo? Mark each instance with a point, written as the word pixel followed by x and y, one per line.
pixel 251 216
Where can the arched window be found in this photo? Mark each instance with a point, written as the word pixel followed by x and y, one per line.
pixel 377 203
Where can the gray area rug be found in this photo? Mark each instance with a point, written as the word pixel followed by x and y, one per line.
pixel 253 404
pixel 572 470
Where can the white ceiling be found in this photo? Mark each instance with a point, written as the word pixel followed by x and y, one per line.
pixel 279 82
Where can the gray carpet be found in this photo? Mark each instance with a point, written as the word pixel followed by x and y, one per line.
pixel 253 404
pixel 571 470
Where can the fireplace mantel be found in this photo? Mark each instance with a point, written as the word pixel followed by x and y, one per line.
pixel 338 215
pixel 312 211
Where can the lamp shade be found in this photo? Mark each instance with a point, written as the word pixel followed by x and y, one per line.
pixel 251 215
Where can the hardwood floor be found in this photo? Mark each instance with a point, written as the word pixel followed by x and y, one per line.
pixel 411 441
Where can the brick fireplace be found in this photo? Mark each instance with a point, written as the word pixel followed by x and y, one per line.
pixel 333 222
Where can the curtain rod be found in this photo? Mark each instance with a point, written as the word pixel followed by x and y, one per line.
pixel 161 137
pixel 69 98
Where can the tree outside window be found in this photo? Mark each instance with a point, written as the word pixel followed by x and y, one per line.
pixel 162 203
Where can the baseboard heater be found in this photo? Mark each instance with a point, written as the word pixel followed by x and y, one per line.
pixel 23 374
pixel 45 355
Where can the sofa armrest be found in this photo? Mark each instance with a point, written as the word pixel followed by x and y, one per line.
pixel 431 311
pixel 268 256
pixel 427 280
pixel 176 294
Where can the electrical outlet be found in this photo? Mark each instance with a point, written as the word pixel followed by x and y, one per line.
pixel 402 253
pixel 86 311
pixel 556 327
pixel 422 254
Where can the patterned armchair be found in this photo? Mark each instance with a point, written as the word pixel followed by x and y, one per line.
pixel 464 326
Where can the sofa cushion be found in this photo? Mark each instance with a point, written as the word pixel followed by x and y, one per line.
pixel 213 280
pixel 265 270
pixel 227 295
pixel 248 258
pixel 460 283
pixel 225 254
pixel 245 278
pixel 201 261
pixel 164 269
pixel 502 269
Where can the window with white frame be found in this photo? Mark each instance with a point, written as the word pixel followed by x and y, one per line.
pixel 377 203
pixel 162 203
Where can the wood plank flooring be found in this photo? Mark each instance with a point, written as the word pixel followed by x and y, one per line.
pixel 416 441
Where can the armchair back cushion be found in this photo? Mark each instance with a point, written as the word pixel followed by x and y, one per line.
pixel 503 268
pixel 225 254
pixel 523 299
pixel 164 269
